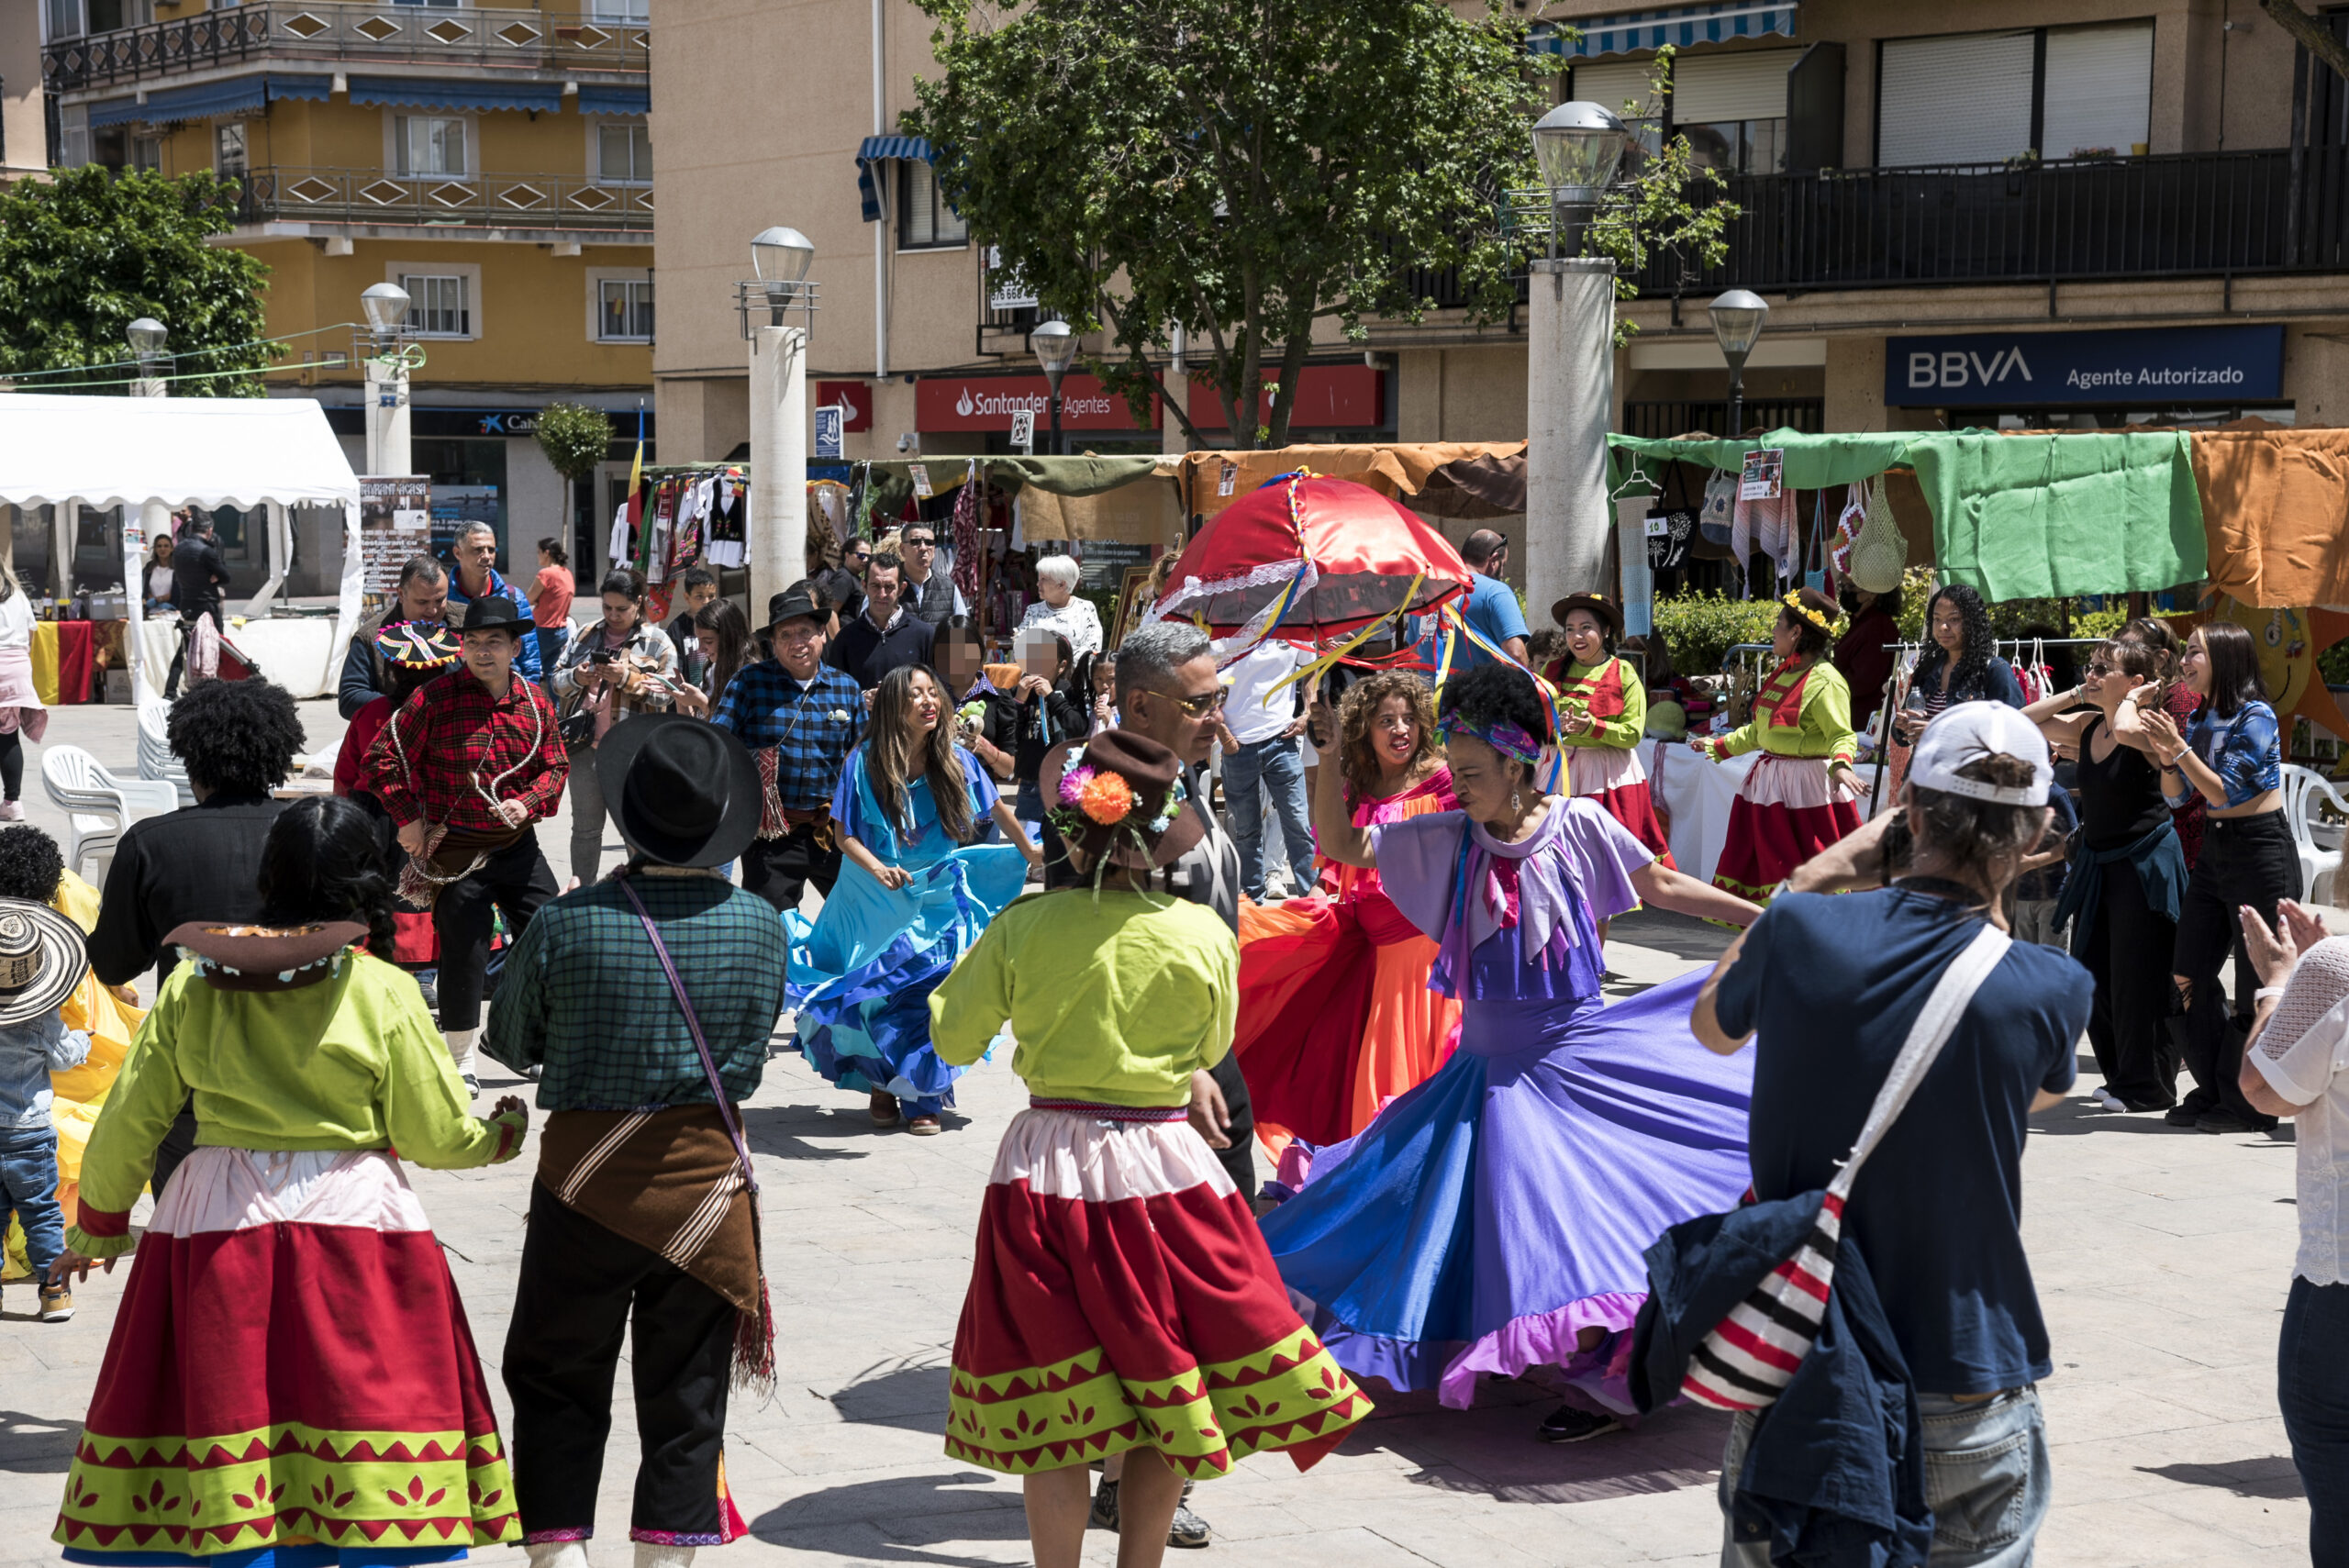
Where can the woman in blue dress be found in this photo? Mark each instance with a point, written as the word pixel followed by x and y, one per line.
pixel 1493 1218
pixel 918 885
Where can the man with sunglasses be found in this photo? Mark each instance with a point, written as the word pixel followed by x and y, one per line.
pixel 929 594
pixel 843 585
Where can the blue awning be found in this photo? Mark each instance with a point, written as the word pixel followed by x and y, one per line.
pixel 424 93
pixel 185 104
pixel 1626 32
pixel 875 148
pixel 593 100
pixel 315 89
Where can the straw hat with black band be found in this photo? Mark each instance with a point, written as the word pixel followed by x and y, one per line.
pixel 684 793
pixel 1120 799
pixel 41 960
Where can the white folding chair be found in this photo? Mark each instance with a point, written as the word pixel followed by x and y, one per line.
pixel 99 809
pixel 155 759
pixel 2303 789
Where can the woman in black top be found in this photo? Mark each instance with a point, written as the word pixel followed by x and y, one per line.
pixel 2123 896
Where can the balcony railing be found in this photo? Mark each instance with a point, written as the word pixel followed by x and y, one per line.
pixel 440 200
pixel 336 31
pixel 2191 214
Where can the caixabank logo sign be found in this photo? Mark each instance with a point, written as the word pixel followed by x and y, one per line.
pixel 2151 366
pixel 987 403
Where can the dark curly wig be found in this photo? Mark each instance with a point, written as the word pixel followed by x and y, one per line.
pixel 1498 694
pixel 31 865
pixel 324 860
pixel 237 738
pixel 1969 682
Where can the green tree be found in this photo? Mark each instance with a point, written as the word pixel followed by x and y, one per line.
pixel 1243 170
pixel 84 254
pixel 575 439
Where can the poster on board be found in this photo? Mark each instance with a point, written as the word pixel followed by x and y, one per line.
pixel 395 522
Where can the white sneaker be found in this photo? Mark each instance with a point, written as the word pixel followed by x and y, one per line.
pixel 2110 1100
pixel 11 811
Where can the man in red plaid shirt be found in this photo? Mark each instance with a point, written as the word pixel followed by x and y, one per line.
pixel 465 767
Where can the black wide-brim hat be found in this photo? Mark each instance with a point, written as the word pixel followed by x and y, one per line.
pixel 1609 615
pixel 685 792
pixel 494 611
pixel 42 959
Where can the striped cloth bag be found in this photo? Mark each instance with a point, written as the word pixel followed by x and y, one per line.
pixel 1746 1362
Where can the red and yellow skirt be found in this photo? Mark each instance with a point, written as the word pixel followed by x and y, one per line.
pixel 1612 776
pixel 1786 811
pixel 1122 1298
pixel 289 1368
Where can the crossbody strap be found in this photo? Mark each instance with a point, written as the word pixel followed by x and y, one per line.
pixel 693 1022
pixel 1950 996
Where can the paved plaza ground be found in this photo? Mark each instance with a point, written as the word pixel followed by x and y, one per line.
pixel 2161 1257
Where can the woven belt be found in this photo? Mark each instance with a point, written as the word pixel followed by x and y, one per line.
pixel 1111 1113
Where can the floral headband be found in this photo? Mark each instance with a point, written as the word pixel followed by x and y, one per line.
pixel 1509 740
pixel 1802 612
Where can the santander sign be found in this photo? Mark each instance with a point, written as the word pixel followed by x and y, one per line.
pixel 987 403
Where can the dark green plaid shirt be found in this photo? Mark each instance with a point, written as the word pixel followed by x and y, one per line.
pixel 584 994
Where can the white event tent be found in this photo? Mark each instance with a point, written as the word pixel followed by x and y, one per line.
pixel 160 453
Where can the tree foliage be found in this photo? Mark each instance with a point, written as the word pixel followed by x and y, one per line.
pixel 574 438
pixel 1244 169
pixel 84 254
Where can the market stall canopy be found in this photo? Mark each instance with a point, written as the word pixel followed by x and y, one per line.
pixel 1129 499
pixel 204 451
pixel 1441 479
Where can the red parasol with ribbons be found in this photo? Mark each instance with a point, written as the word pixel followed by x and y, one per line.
pixel 1305 559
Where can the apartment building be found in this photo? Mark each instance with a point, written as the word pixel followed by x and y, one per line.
pixel 492 160
pixel 2014 212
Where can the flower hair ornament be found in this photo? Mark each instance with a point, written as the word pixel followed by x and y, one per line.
pixel 1119 797
pixel 1804 613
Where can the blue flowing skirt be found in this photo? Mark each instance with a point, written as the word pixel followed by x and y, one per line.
pixel 862 971
pixel 1486 1220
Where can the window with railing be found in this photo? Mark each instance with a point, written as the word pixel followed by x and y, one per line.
pixel 437 306
pixel 624 153
pixel 627 315
pixel 430 144
pixel 924 221
pixel 636 11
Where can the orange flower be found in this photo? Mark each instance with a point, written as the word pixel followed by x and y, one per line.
pixel 1106 798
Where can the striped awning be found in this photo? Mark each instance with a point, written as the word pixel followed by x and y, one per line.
pixel 238 96
pixel 597 100
pixel 879 149
pixel 424 93
pixel 1627 32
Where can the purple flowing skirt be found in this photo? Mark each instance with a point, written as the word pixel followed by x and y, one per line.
pixel 1488 1216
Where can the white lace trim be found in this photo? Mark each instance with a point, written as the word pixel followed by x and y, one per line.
pixel 1193 589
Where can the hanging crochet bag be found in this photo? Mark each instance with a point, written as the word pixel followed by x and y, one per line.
pixel 1747 1362
pixel 1880 554
pixel 1721 508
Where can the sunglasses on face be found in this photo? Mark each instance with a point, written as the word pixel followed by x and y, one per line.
pixel 1204 703
pixel 2098 667
pixel 919 543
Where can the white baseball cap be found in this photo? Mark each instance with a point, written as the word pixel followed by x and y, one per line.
pixel 1968 732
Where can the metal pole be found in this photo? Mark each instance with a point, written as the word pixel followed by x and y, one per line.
pixel 778 524
pixel 1056 419
pixel 1570 393
pixel 1736 397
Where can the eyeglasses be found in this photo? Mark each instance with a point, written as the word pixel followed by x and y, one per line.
pixel 2099 667
pixel 1201 706
pixel 912 541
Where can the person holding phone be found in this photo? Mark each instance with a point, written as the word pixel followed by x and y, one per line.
pixel 621 665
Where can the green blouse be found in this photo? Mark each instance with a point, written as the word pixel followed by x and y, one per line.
pixel 1804 709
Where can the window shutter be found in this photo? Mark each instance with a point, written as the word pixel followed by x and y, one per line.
pixel 1748 85
pixel 1613 83
pixel 1963 99
pixel 2100 88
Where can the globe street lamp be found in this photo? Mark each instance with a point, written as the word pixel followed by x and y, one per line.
pixel 1055 345
pixel 1578 145
pixel 777 530
pixel 147 336
pixel 386 306
pixel 1737 326
pixel 779 259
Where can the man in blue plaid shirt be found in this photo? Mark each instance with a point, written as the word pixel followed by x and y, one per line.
pixel 801 718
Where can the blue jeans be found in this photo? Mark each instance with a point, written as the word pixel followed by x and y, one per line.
pixel 28 1185
pixel 2312 1388
pixel 1274 767
pixel 1987 1479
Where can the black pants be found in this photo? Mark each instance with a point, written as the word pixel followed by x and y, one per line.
pixel 2127 951
pixel 2244 859
pixel 582 1285
pixel 1239 1162
pixel 779 870
pixel 12 764
pixel 517 880
pixel 179 660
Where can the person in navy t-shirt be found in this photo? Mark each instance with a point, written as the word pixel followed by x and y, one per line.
pixel 1829 987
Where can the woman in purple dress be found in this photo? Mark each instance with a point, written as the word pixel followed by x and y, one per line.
pixel 1492 1220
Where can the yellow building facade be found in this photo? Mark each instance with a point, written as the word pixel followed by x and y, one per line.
pixel 495 160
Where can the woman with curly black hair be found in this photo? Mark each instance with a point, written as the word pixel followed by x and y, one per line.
pixel 1491 1220
pixel 1960 663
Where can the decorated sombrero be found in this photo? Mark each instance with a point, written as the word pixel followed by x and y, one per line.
pixel 417 644
pixel 41 960
pixel 264 958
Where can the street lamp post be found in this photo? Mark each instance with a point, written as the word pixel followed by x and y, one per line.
pixel 147 336
pixel 387 378
pixel 778 522
pixel 1737 325
pixel 1055 345
pixel 1570 329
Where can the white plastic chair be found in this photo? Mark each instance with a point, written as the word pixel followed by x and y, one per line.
pixel 2302 790
pixel 99 809
pixel 155 759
